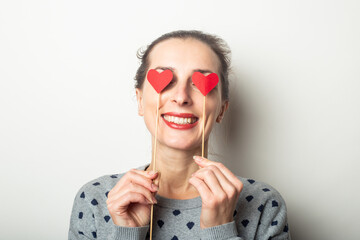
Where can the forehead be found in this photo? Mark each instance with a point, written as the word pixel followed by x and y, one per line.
pixel 184 54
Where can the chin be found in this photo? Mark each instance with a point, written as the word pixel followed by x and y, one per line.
pixel 181 144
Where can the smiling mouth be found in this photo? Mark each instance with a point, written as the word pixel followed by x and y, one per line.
pixel 180 120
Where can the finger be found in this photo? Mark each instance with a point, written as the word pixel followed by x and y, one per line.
pixel 156 181
pixel 202 188
pixel 121 205
pixel 203 162
pixel 225 184
pixel 154 175
pixel 133 187
pixel 209 177
pixel 149 174
pixel 135 177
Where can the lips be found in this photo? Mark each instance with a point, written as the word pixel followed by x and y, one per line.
pixel 180 121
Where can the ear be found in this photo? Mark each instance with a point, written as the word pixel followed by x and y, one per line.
pixel 223 109
pixel 139 98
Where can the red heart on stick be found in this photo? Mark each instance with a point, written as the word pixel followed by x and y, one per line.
pixel 205 83
pixel 159 80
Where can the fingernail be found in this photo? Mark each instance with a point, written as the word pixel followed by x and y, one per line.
pixel 153 186
pixel 197 158
pixel 154 200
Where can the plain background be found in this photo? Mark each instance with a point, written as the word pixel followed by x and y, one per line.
pixel 68 109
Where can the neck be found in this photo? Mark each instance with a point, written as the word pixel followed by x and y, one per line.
pixel 175 167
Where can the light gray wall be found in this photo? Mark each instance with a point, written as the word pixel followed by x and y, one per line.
pixel 68 108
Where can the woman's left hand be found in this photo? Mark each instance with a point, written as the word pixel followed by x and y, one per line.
pixel 219 189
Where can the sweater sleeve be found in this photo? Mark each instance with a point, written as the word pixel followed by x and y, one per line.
pixel 226 231
pixel 273 219
pixel 84 218
pixel 82 222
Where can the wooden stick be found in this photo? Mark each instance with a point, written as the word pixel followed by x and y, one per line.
pixel 151 220
pixel 203 129
pixel 156 130
pixel 154 159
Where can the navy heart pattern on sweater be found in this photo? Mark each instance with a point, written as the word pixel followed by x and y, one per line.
pixel 190 225
pixel 160 223
pixel 177 214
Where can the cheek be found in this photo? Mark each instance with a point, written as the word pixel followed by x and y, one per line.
pixel 212 108
pixel 149 117
pixel 149 107
pixel 149 98
pixel 149 104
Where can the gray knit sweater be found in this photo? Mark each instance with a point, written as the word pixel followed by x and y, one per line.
pixel 260 214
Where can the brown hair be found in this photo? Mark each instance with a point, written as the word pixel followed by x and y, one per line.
pixel 217 44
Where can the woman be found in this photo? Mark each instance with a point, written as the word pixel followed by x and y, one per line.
pixel 194 198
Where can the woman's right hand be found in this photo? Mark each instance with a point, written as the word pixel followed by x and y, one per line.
pixel 129 202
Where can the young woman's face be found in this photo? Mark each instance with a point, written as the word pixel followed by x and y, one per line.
pixel 181 103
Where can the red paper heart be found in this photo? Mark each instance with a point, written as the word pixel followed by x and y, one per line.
pixel 205 83
pixel 159 80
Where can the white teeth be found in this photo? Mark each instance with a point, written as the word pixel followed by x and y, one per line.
pixel 179 120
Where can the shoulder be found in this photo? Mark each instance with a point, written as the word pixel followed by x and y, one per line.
pixel 260 191
pixel 261 200
pixel 99 185
pixel 262 206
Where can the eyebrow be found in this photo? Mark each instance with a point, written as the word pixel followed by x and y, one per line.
pixel 195 70
pixel 165 68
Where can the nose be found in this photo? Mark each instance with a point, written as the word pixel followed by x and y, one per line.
pixel 181 95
